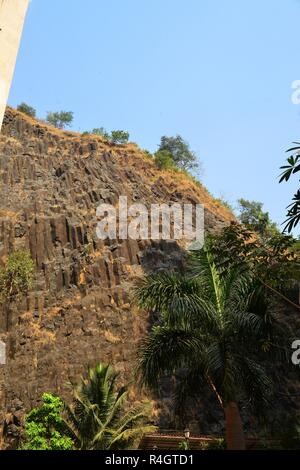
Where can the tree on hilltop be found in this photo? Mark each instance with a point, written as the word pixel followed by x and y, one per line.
pixel 60 119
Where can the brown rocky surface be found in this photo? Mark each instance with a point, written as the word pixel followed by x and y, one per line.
pixel 79 311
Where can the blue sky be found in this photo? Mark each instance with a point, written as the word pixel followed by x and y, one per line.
pixel 217 72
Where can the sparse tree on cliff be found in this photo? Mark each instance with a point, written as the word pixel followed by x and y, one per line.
pixel 211 330
pixel 60 119
pixel 26 109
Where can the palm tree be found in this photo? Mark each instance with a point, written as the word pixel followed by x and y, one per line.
pixel 97 419
pixel 209 329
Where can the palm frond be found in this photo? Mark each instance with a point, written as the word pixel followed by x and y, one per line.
pixel 203 269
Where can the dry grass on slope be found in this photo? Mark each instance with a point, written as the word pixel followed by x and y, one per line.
pixel 173 180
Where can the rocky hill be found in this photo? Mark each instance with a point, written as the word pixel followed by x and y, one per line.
pixel 79 311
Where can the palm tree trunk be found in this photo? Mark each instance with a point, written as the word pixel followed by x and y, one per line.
pixel 235 437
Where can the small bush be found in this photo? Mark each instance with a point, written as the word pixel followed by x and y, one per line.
pixel 116 137
pixel 26 109
pixel 147 154
pixel 119 137
pixel 17 276
pixel 164 160
pixel 224 203
pixel 188 175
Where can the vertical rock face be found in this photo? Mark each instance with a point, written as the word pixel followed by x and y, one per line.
pixel 79 311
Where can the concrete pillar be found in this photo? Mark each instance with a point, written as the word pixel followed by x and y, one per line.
pixel 12 16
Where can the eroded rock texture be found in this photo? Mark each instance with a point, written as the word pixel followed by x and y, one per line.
pixel 79 311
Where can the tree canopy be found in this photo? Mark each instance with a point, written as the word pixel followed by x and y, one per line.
pixel 26 109
pixel 98 418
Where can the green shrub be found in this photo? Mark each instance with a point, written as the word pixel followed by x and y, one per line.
pixel 26 109
pixel 224 203
pixel 101 416
pixel 100 131
pixel 119 137
pixel 15 280
pixel 217 444
pixel 60 119
pixel 164 160
pixel 147 154
pixel 183 157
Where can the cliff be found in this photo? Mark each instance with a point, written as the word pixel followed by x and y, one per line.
pixel 79 311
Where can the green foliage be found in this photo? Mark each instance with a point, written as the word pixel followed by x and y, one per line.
pixel 272 261
pixel 119 137
pixel 16 277
pixel 183 157
pixel 251 214
pixel 210 331
pixel 116 137
pixel 45 428
pixel 184 445
pixel 164 160
pixel 99 418
pixel 148 154
pixel 265 444
pixel 100 131
pixel 224 203
pixel 86 251
pixel 26 109
pixel 191 177
pixel 292 167
pixel 60 119
pixel 217 444
pixel 290 434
